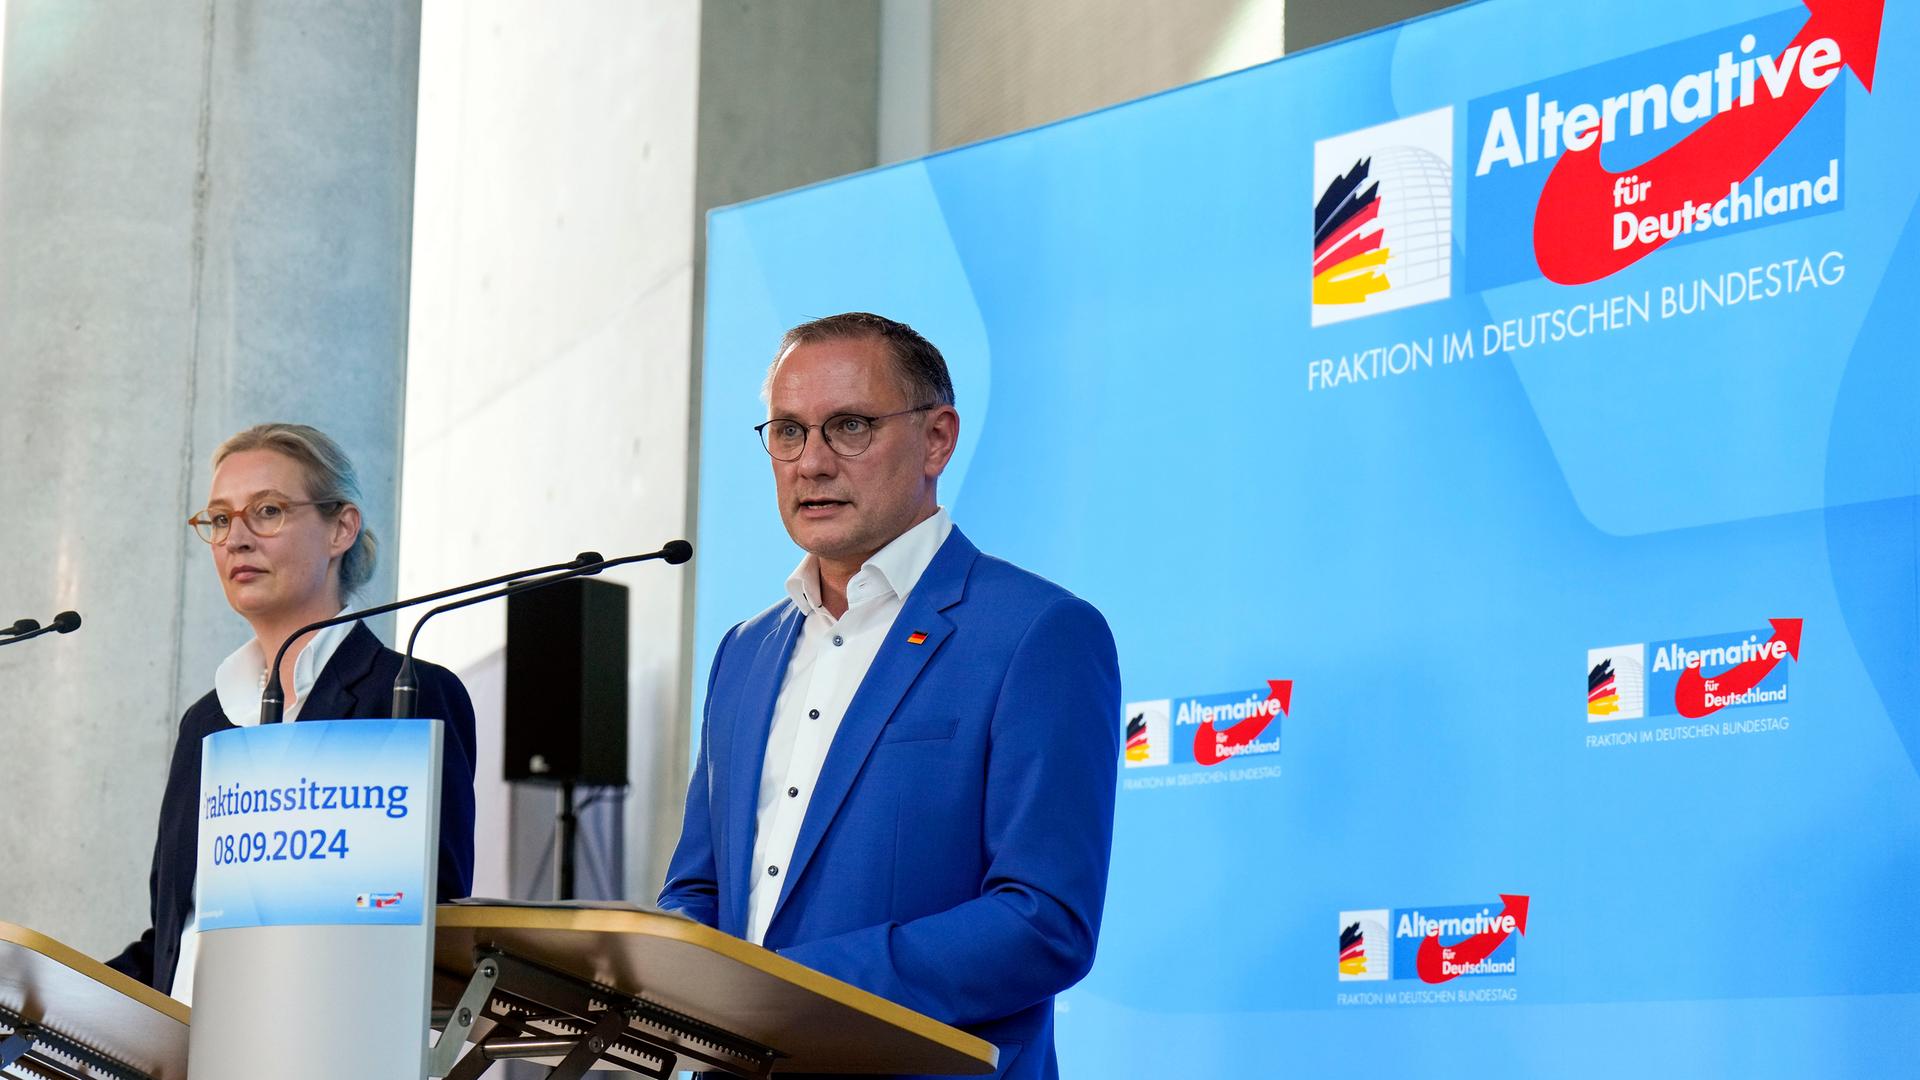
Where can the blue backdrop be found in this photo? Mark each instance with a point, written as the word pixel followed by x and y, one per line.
pixel 1367 384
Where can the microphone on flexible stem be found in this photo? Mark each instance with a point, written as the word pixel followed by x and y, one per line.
pixel 64 623
pixel 406 685
pixel 273 699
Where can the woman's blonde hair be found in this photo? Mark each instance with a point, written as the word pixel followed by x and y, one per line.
pixel 331 482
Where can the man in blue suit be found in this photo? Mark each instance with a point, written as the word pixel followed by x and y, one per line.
pixel 906 770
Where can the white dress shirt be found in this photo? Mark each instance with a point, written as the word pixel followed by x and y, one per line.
pixel 238 683
pixel 829 662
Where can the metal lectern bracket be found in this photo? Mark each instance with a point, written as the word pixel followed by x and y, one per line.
pixel 535 1011
pixel 472 1004
pixel 586 1051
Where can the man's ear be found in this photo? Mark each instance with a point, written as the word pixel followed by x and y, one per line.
pixel 943 435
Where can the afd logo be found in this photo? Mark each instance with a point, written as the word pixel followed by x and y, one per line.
pixel 1734 129
pixel 378 901
pixel 1383 217
pixel 1433 944
pixel 1692 677
pixel 1206 729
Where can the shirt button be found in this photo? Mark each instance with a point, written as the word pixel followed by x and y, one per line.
pixel 838 640
pixel 813 714
pixel 793 793
pixel 773 871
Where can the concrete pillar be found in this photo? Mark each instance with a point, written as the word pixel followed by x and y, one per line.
pixel 205 213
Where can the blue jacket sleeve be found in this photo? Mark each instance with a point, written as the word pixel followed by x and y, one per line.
pixel 1048 831
pixel 693 881
pixel 444 697
pixel 140 959
pixel 136 960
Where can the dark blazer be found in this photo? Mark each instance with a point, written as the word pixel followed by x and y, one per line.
pixel 356 684
pixel 953 855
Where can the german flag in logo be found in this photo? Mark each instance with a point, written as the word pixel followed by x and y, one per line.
pixel 1603 693
pixel 1348 258
pixel 1137 747
pixel 1353 951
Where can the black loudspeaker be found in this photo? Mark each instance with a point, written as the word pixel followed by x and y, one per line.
pixel 567 683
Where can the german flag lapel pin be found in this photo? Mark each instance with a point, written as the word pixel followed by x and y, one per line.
pixel 918 637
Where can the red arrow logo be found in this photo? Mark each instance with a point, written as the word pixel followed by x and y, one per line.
pixel 1212 747
pixel 1437 963
pixel 1690 693
pixel 1573 238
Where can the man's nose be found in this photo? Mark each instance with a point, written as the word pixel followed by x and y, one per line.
pixel 816 457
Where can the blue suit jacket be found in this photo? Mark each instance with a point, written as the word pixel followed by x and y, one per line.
pixel 357 683
pixel 954 855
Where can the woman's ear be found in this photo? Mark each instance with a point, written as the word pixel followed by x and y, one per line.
pixel 346 529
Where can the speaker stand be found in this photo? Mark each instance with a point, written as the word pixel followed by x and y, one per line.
pixel 569 829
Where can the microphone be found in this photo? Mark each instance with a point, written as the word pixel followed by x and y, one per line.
pixel 406 685
pixel 64 623
pixel 273 699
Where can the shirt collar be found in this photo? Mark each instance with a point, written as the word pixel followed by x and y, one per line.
pixel 892 571
pixel 241 677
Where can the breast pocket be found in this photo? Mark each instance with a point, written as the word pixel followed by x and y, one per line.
pixel 919 729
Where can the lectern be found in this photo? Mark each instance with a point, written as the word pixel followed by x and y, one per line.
pixel 653 993
pixel 67 1016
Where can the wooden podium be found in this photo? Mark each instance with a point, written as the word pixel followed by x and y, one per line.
pixel 655 993
pixel 67 1016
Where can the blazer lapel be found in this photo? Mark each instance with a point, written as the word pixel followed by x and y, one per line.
pixel 753 720
pixel 894 670
pixel 336 693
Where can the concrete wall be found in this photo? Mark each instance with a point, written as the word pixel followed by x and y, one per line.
pixel 1006 65
pixel 547 401
pixel 1316 22
pixel 204 221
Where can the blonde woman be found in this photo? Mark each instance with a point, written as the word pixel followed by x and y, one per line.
pixel 289 544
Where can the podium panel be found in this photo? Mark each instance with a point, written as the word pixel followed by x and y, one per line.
pixel 315 893
pixel 269 987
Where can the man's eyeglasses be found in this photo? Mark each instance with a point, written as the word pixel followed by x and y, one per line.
pixel 847 434
pixel 264 517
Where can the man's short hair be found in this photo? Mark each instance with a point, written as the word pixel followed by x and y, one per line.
pixel 921 369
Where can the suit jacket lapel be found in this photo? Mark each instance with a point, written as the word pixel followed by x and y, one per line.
pixel 753 720
pixel 336 693
pixel 894 670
